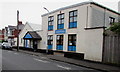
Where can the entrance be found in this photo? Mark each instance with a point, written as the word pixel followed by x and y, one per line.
pixel 35 44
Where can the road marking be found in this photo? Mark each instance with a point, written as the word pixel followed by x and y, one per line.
pixel 16 53
pixel 67 68
pixel 41 60
pixel 9 51
pixel 43 57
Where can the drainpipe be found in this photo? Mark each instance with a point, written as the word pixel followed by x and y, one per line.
pixel 103 36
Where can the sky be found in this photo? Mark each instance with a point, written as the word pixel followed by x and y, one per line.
pixel 31 10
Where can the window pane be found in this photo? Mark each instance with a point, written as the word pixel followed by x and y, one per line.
pixel 59 21
pixel 52 18
pixel 59 16
pixel 71 13
pixel 62 16
pixel 58 37
pixel 75 19
pixel 51 37
pixel 71 19
pixel 52 23
pixel 49 19
pixel 62 21
pixel 75 13
pixel 48 23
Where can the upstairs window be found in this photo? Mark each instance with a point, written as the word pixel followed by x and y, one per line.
pixel 50 23
pixel 73 19
pixel 111 20
pixel 60 21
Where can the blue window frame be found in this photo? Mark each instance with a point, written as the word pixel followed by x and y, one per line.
pixel 59 42
pixel 50 41
pixel 72 42
pixel 60 24
pixel 50 23
pixel 73 19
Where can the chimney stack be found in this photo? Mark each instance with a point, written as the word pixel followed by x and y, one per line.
pixel 20 22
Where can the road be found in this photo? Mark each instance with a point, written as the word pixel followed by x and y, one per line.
pixel 12 60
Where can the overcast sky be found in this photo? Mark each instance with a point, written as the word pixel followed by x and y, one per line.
pixel 31 10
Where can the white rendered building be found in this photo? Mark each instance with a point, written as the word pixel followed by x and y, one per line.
pixel 78 29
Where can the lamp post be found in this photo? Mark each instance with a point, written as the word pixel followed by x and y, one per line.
pixel 17 30
pixel 47 31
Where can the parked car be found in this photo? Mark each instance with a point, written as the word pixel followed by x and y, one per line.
pixel 6 45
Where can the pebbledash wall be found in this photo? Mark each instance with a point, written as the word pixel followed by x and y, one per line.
pixel 88 29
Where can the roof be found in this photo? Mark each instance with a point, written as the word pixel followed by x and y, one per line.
pixel 33 35
pixel 21 26
pixel 80 4
pixel 35 27
pixel 11 27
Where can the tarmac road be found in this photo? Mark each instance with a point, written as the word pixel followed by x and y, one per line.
pixel 12 60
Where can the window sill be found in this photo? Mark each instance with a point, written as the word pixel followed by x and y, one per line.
pixel 60 29
pixel 71 51
pixel 50 30
pixel 73 28
pixel 94 28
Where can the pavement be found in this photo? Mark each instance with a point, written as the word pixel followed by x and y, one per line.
pixel 84 63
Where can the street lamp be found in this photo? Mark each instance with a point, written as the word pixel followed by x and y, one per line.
pixel 47 31
pixel 17 30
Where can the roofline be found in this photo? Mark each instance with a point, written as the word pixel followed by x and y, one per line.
pixel 80 4
pixel 105 7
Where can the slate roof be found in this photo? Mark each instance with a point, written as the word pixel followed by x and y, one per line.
pixel 35 27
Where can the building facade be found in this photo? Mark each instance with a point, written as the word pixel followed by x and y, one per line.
pixel 6 34
pixel 78 28
pixel 2 35
pixel 29 36
pixel 11 33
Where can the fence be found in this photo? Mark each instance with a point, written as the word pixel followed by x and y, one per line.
pixel 111 52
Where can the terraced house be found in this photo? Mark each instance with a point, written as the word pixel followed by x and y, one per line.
pixel 78 29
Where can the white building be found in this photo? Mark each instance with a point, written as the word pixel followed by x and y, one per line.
pixel 78 29
pixel 29 36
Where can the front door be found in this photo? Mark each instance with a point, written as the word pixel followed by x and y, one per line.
pixel 35 43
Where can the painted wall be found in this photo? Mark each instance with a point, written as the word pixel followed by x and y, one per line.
pixel 100 16
pixel 42 43
pixel 22 34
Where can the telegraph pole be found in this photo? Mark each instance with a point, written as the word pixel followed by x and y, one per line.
pixel 17 30
pixel 47 32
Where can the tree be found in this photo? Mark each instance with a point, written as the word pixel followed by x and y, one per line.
pixel 115 27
